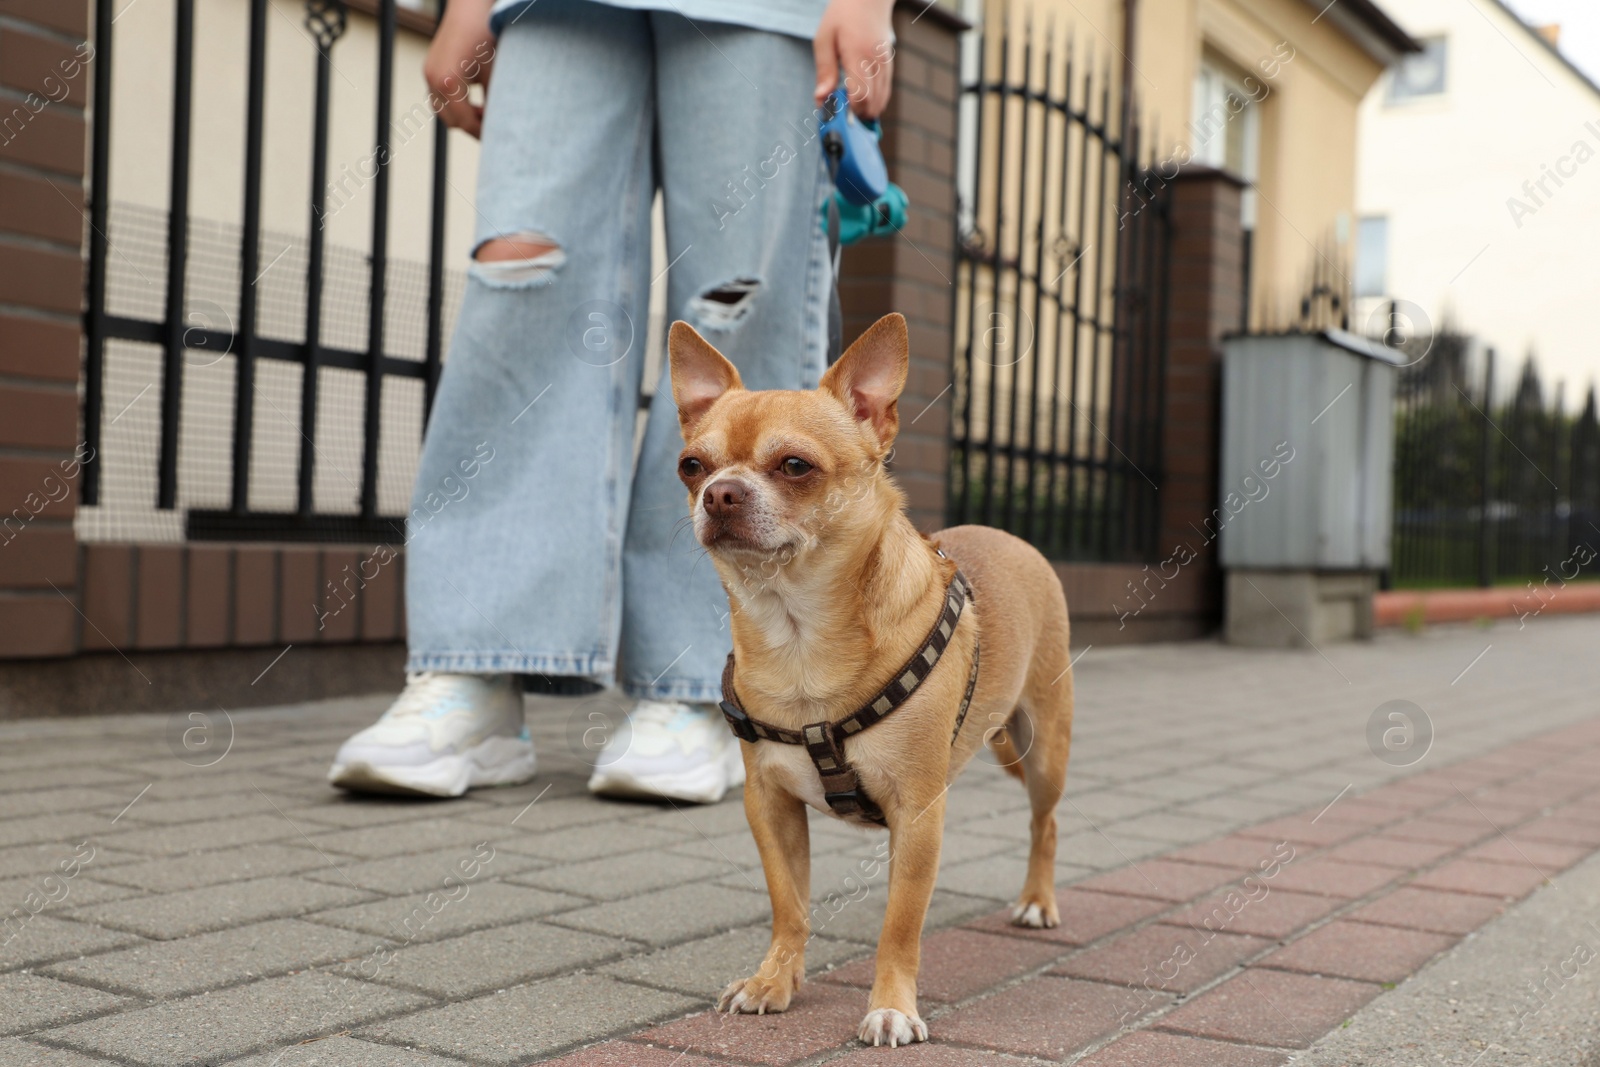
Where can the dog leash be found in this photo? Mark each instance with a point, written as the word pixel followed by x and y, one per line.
pixel 824 741
pixel 833 154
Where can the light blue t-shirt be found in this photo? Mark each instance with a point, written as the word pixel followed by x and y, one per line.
pixel 795 18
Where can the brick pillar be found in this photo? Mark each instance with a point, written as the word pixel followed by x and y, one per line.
pixel 1206 301
pixel 914 271
pixel 44 87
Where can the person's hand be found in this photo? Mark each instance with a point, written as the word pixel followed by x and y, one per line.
pixel 858 36
pixel 461 56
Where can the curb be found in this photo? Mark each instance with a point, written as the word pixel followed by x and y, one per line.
pixel 1469 605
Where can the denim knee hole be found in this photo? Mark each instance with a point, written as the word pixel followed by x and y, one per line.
pixel 724 306
pixel 521 261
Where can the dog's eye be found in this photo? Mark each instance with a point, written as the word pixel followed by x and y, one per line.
pixel 690 467
pixel 795 467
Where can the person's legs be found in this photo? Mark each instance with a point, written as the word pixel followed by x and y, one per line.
pixel 515 534
pixel 741 169
pixel 743 186
pixel 522 573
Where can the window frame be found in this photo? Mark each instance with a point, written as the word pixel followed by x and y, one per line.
pixel 1401 99
pixel 1364 250
pixel 1214 79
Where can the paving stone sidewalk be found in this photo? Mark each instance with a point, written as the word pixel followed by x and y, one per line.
pixel 185 889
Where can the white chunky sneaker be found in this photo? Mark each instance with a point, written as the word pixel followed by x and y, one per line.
pixel 671 750
pixel 443 735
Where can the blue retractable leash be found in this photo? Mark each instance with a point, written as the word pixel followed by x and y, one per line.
pixel 864 202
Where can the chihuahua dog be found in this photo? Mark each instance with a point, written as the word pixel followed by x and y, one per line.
pixel 832 594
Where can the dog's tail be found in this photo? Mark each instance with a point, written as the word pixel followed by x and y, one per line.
pixel 1005 751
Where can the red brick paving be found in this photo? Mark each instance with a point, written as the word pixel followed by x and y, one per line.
pixel 1150 1049
pixel 1543 795
pixel 1173 958
pixel 1465 777
pixel 1162 879
pixel 1409 797
pixel 1430 909
pixel 1388 851
pixel 1476 811
pixel 1440 831
pixel 1365 810
pixel 1489 879
pixel 1519 852
pixel 1301 832
pixel 957 964
pixel 1409 868
pixel 1563 830
pixel 1357 950
pixel 1085 917
pixel 1584 808
pixel 821 1016
pixel 1278 914
pixel 1046 1017
pixel 625 1054
pixel 1244 854
pixel 1271 1008
pixel 931 1055
pixel 1329 879
pixel 1549 788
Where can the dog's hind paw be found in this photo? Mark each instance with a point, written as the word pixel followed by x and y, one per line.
pixel 757 995
pixel 886 1026
pixel 1032 915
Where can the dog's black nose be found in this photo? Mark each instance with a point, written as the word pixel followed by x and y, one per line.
pixel 724 497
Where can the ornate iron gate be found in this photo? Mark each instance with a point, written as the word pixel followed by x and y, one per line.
pixel 194 332
pixel 1060 354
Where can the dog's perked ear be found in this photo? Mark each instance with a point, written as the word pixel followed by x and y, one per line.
pixel 870 375
pixel 700 374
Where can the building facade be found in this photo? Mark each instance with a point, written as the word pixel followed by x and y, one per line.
pixel 1269 90
pixel 1479 188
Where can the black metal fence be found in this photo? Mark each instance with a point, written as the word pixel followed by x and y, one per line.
pixel 1060 353
pixel 188 336
pixel 1319 296
pixel 1490 489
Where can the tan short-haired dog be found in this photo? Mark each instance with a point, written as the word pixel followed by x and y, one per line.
pixel 862 681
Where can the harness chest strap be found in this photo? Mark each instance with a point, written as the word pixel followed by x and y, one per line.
pixel 824 741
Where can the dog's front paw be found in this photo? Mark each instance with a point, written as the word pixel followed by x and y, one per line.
pixel 758 994
pixel 1035 914
pixel 886 1026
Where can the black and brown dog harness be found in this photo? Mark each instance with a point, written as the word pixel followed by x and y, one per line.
pixel 824 741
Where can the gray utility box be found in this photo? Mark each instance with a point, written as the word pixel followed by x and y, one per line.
pixel 1307 475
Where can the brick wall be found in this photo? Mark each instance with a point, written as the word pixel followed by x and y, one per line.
pixel 160 597
pixel 913 272
pixel 1179 595
pixel 1207 302
pixel 58 597
pixel 43 133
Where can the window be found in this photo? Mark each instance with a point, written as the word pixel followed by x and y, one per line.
pixel 1372 256
pixel 1226 124
pixel 1420 73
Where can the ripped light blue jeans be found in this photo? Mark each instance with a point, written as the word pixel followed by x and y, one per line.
pixel 560 554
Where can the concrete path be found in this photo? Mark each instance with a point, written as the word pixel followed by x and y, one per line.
pixel 185 890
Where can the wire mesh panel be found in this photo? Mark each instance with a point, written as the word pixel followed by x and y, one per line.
pixel 128 444
pixel 341 418
pixel 1060 338
pixel 275 448
pixel 401 429
pixel 243 382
